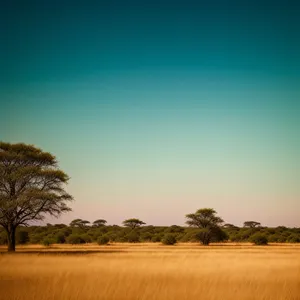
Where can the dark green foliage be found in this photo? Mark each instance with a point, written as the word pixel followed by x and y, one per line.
pixel 133 223
pixel 156 238
pixel 22 237
pixel 209 225
pixel 293 238
pixel 169 239
pixel 146 237
pixel 203 236
pixel 60 238
pixel 79 223
pixel 174 229
pixel 251 224
pixel 259 239
pixel 75 239
pixel 47 241
pixel 132 237
pixel 99 223
pixel 59 234
pixel 103 240
pixel 86 238
pixel 36 238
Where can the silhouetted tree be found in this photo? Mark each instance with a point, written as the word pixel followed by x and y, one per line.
pixel 208 223
pixel 251 224
pixel 99 223
pixel 31 186
pixel 79 223
pixel 133 223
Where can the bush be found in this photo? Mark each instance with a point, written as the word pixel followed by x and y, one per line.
pixel 259 239
pixel 132 237
pixel 293 239
pixel 60 238
pixel 169 239
pixel 75 239
pixel 86 238
pixel 22 237
pixel 146 237
pixel 103 240
pixel 47 242
pixel 36 238
pixel 156 239
pixel 273 238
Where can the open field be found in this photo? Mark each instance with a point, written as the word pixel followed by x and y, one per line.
pixel 151 271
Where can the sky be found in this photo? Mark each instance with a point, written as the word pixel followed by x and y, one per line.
pixel 158 108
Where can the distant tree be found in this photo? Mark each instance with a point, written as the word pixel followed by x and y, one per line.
pixel 79 223
pixel 60 238
pixel 103 240
pixel 169 239
pixel 175 229
pixel 132 237
pixel 133 223
pixel 208 223
pixel 75 239
pixel 259 239
pixel 229 226
pixel 99 223
pixel 251 224
pixel 31 186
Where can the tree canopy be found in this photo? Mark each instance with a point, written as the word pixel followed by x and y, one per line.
pixel 99 222
pixel 79 223
pixel 251 224
pixel 31 186
pixel 208 223
pixel 133 223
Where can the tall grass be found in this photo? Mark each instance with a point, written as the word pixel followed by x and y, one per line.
pixel 153 272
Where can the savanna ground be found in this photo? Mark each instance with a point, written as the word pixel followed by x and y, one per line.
pixel 151 271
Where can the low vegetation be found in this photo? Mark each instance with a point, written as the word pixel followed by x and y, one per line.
pixel 63 234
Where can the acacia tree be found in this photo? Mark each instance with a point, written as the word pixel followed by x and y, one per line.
pixel 79 223
pixel 31 186
pixel 99 223
pixel 208 223
pixel 251 224
pixel 133 223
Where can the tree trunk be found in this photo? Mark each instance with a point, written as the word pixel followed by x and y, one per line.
pixel 11 239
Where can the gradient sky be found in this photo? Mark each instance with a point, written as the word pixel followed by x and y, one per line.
pixel 158 108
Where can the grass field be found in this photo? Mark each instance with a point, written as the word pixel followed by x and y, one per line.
pixel 151 271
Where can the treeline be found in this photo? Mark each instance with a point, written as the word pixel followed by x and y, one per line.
pixel 134 231
pixel 32 187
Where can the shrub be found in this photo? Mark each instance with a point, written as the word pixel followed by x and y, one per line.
pixel 47 241
pixel 103 240
pixel 36 238
pixel 273 238
pixel 75 239
pixel 60 238
pixel 146 237
pixel 169 239
pixel 259 239
pixel 86 238
pixel 156 239
pixel 293 238
pixel 22 237
pixel 132 237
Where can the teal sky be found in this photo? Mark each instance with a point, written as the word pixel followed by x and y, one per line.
pixel 158 108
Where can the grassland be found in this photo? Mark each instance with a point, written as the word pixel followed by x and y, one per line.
pixel 151 271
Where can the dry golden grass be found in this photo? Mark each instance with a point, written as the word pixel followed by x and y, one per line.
pixel 148 271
